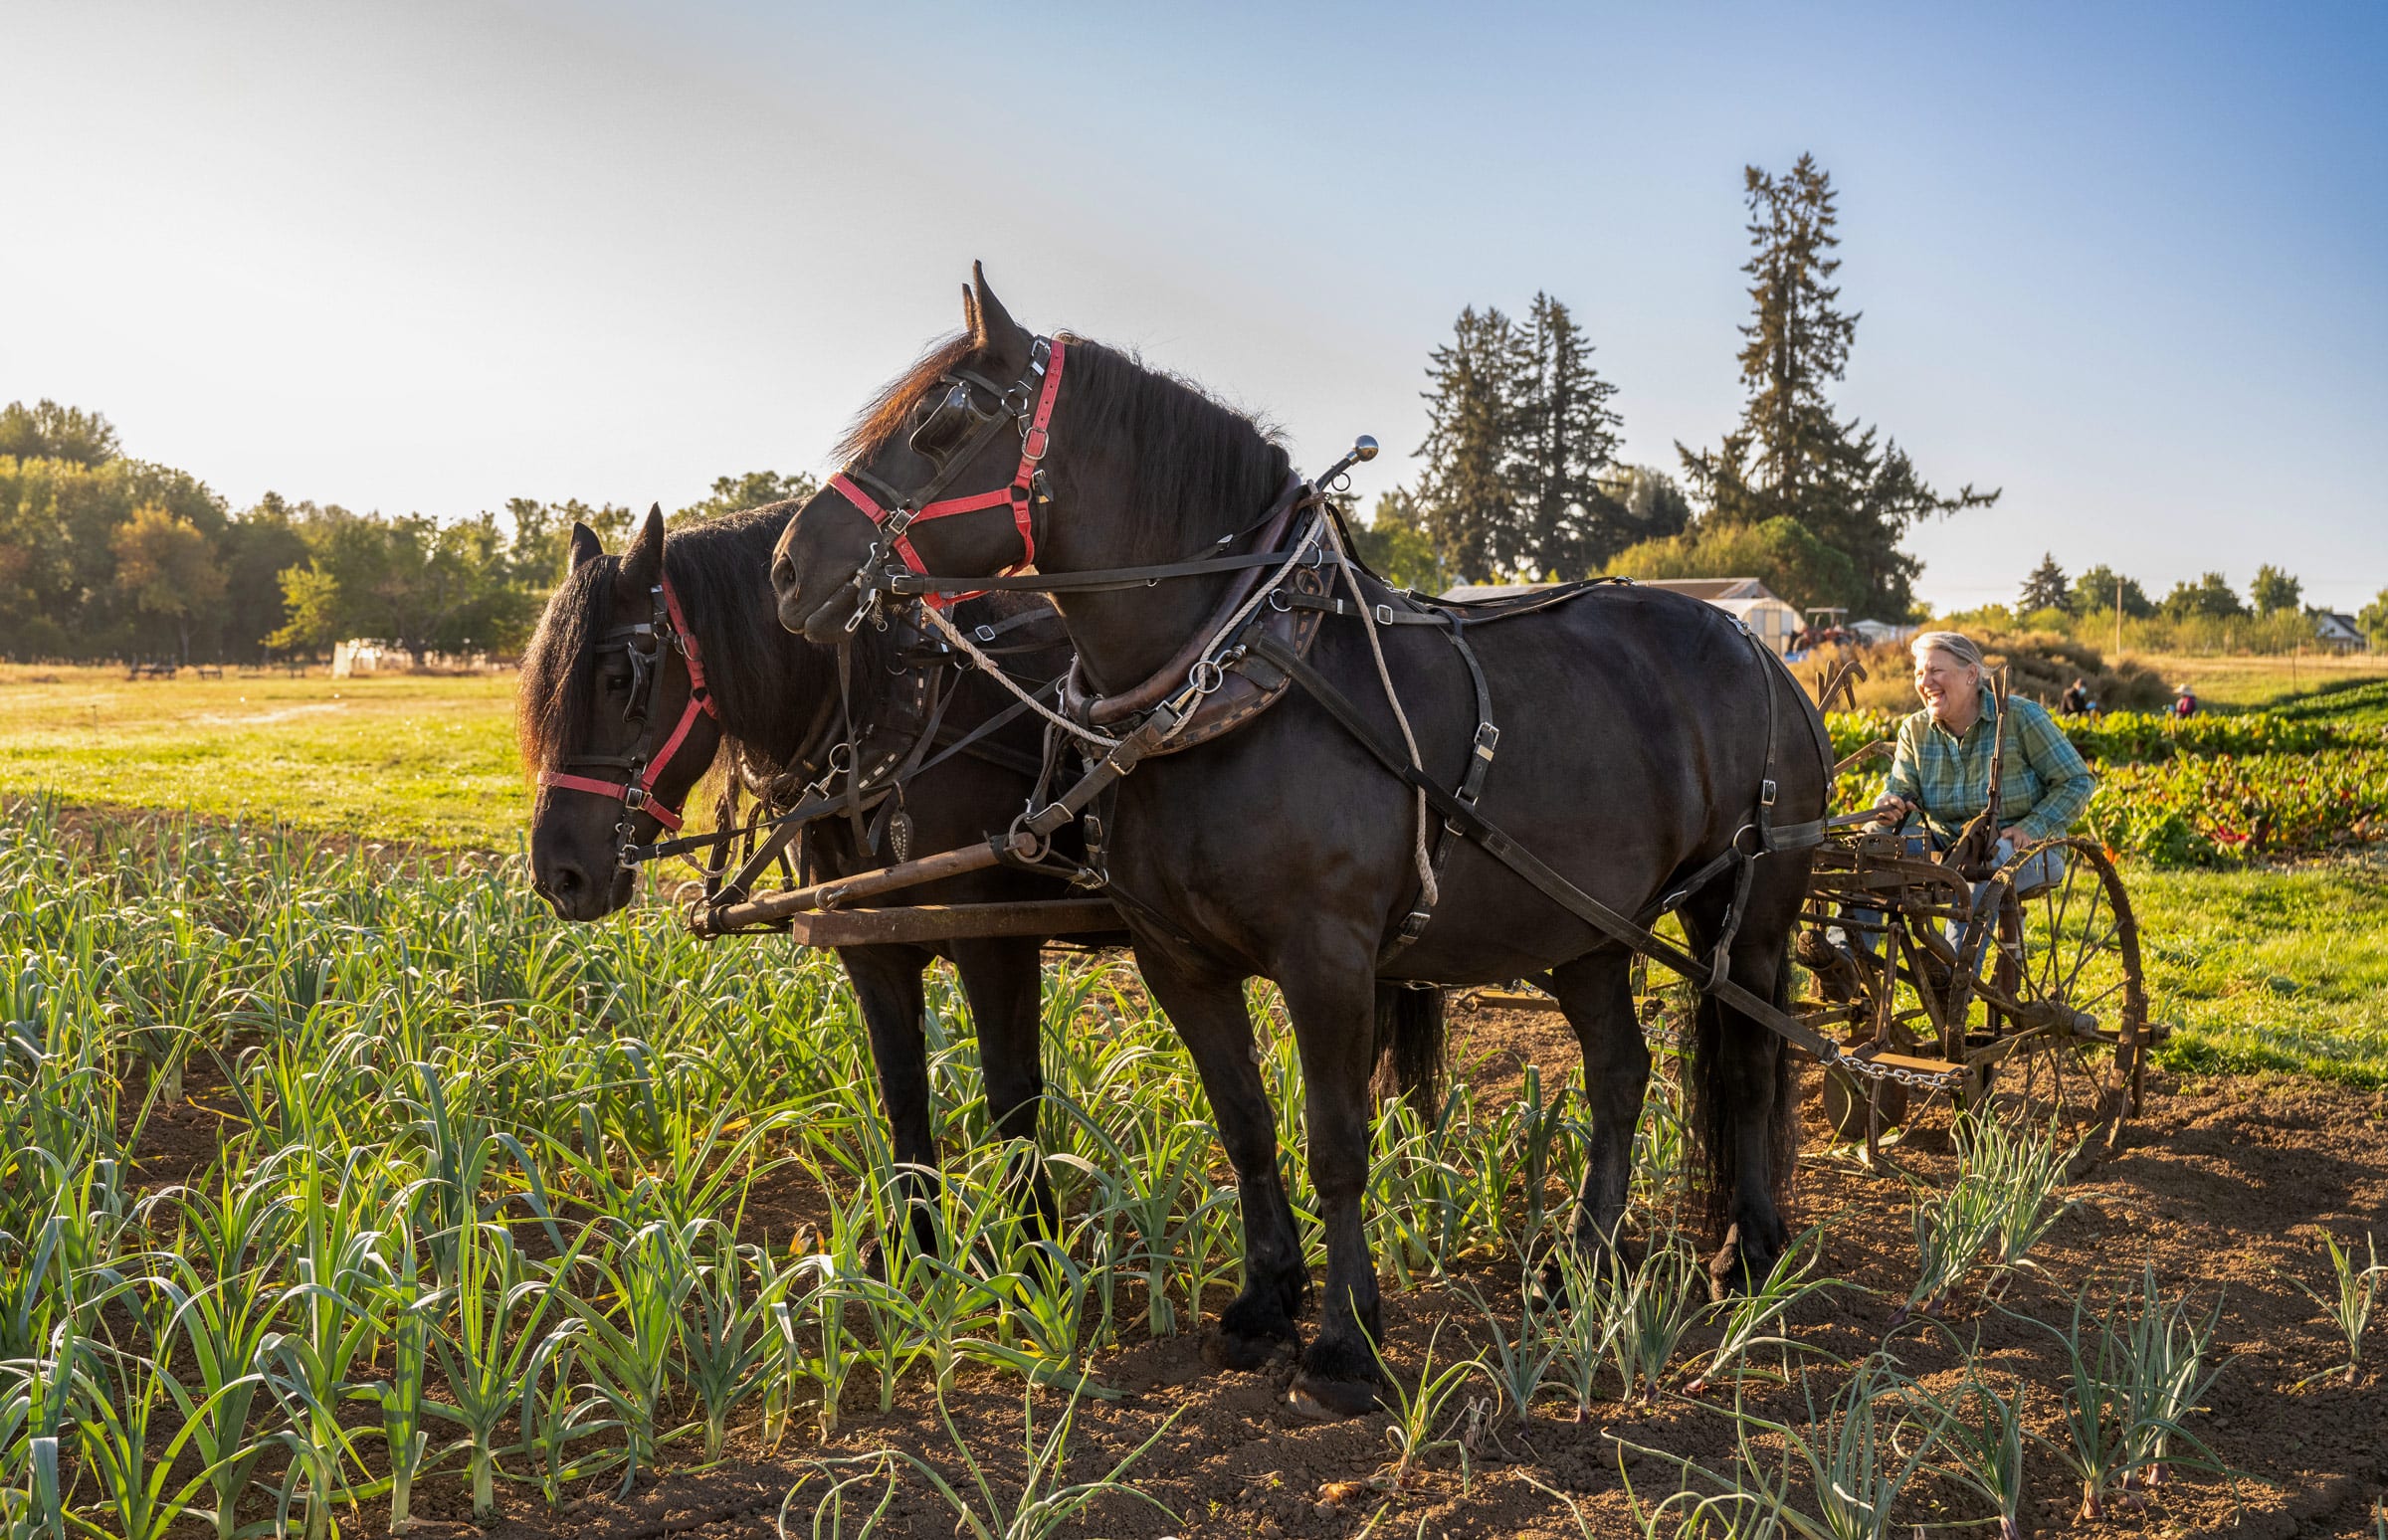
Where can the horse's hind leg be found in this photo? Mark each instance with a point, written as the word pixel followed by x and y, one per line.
pixel 1741 1098
pixel 887 984
pixel 1003 979
pixel 1207 1008
pixel 1597 994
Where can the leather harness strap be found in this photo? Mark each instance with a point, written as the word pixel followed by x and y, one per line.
pixel 636 790
pixel 898 512
pixel 1497 843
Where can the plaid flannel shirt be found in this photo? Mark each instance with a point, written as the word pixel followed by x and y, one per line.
pixel 2044 788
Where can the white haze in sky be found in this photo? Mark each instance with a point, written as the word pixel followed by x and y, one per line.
pixel 2125 262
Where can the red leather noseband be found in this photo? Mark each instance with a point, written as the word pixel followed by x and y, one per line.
pixel 1035 435
pixel 635 791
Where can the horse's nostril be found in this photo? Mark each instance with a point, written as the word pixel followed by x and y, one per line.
pixel 566 879
pixel 783 571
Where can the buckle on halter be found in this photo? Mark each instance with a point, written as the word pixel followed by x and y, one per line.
pixel 1033 443
pixel 635 796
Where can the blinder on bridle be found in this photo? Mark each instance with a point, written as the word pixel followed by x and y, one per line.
pixel 643 644
pixel 973 410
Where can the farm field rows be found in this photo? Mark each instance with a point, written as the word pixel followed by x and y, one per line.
pixel 578 1219
pixel 576 1226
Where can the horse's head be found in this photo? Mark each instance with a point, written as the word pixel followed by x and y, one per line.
pixel 960 434
pixel 614 721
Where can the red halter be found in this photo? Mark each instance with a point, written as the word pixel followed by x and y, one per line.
pixel 638 791
pixel 1020 495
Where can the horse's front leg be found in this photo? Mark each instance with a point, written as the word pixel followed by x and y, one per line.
pixel 887 984
pixel 1003 979
pixel 1333 1011
pixel 1207 1008
pixel 1597 994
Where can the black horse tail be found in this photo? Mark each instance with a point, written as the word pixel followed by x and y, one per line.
pixel 1708 1096
pixel 1411 1046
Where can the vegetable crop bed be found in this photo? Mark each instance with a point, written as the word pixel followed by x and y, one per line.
pixel 344 1190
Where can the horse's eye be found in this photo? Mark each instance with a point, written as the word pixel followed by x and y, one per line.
pixel 617 681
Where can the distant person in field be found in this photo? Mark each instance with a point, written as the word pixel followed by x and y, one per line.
pixel 2185 705
pixel 2075 699
pixel 1941 772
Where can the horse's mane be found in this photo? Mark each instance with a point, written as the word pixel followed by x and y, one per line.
pixel 717 569
pixel 1195 457
pixel 1196 462
pixel 888 410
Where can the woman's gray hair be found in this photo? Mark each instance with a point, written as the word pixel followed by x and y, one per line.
pixel 1955 643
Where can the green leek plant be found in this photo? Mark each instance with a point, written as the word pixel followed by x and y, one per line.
pixel 1858 1456
pixel 2134 1371
pixel 1042 1507
pixel 2348 1306
pixel 1755 1319
pixel 490 1332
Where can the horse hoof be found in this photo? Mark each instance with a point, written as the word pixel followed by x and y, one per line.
pixel 1234 1350
pixel 1323 1399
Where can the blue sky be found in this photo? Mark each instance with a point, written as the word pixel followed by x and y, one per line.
pixel 2125 262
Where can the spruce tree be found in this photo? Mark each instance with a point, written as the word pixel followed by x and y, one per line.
pixel 1570 522
pixel 2046 588
pixel 1798 337
pixel 1468 489
pixel 1791 456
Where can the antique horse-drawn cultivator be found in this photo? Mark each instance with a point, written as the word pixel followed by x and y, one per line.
pixel 1254 757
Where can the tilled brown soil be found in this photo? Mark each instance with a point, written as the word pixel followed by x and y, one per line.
pixel 2221 1184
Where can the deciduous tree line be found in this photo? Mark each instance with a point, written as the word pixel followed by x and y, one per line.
pixel 107 557
pixel 1519 476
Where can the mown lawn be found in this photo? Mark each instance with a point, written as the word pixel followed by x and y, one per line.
pixel 2271 969
pixel 427 759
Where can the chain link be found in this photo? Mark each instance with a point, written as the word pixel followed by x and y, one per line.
pixel 1918 1079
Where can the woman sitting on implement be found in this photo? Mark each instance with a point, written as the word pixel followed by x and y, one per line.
pixel 1942 768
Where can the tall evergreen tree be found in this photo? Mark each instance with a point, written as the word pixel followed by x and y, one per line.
pixel 1468 489
pixel 2046 588
pixel 1791 456
pixel 1570 522
pixel 1799 338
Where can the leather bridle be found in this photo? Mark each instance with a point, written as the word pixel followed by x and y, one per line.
pixel 1027 405
pixel 643 766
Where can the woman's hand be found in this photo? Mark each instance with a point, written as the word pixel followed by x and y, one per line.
pixel 1893 805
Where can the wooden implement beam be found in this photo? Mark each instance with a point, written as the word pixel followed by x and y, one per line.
pixel 770 908
pixel 946 922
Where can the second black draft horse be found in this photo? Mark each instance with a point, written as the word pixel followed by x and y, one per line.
pixel 1636 729
pixel 606 681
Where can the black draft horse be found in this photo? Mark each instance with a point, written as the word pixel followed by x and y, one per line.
pixel 580 703
pixel 1634 730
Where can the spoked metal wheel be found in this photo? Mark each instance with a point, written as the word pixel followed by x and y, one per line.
pixel 2061 1003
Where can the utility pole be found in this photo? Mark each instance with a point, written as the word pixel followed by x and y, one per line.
pixel 2118 617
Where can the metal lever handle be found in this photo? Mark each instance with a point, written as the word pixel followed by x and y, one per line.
pixel 1362 448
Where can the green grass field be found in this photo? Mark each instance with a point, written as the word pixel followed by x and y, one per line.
pixel 429 759
pixel 2262 969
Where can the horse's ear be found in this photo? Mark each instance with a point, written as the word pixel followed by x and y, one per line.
pixel 995 324
pixel 643 563
pixel 585 546
pixel 970 315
